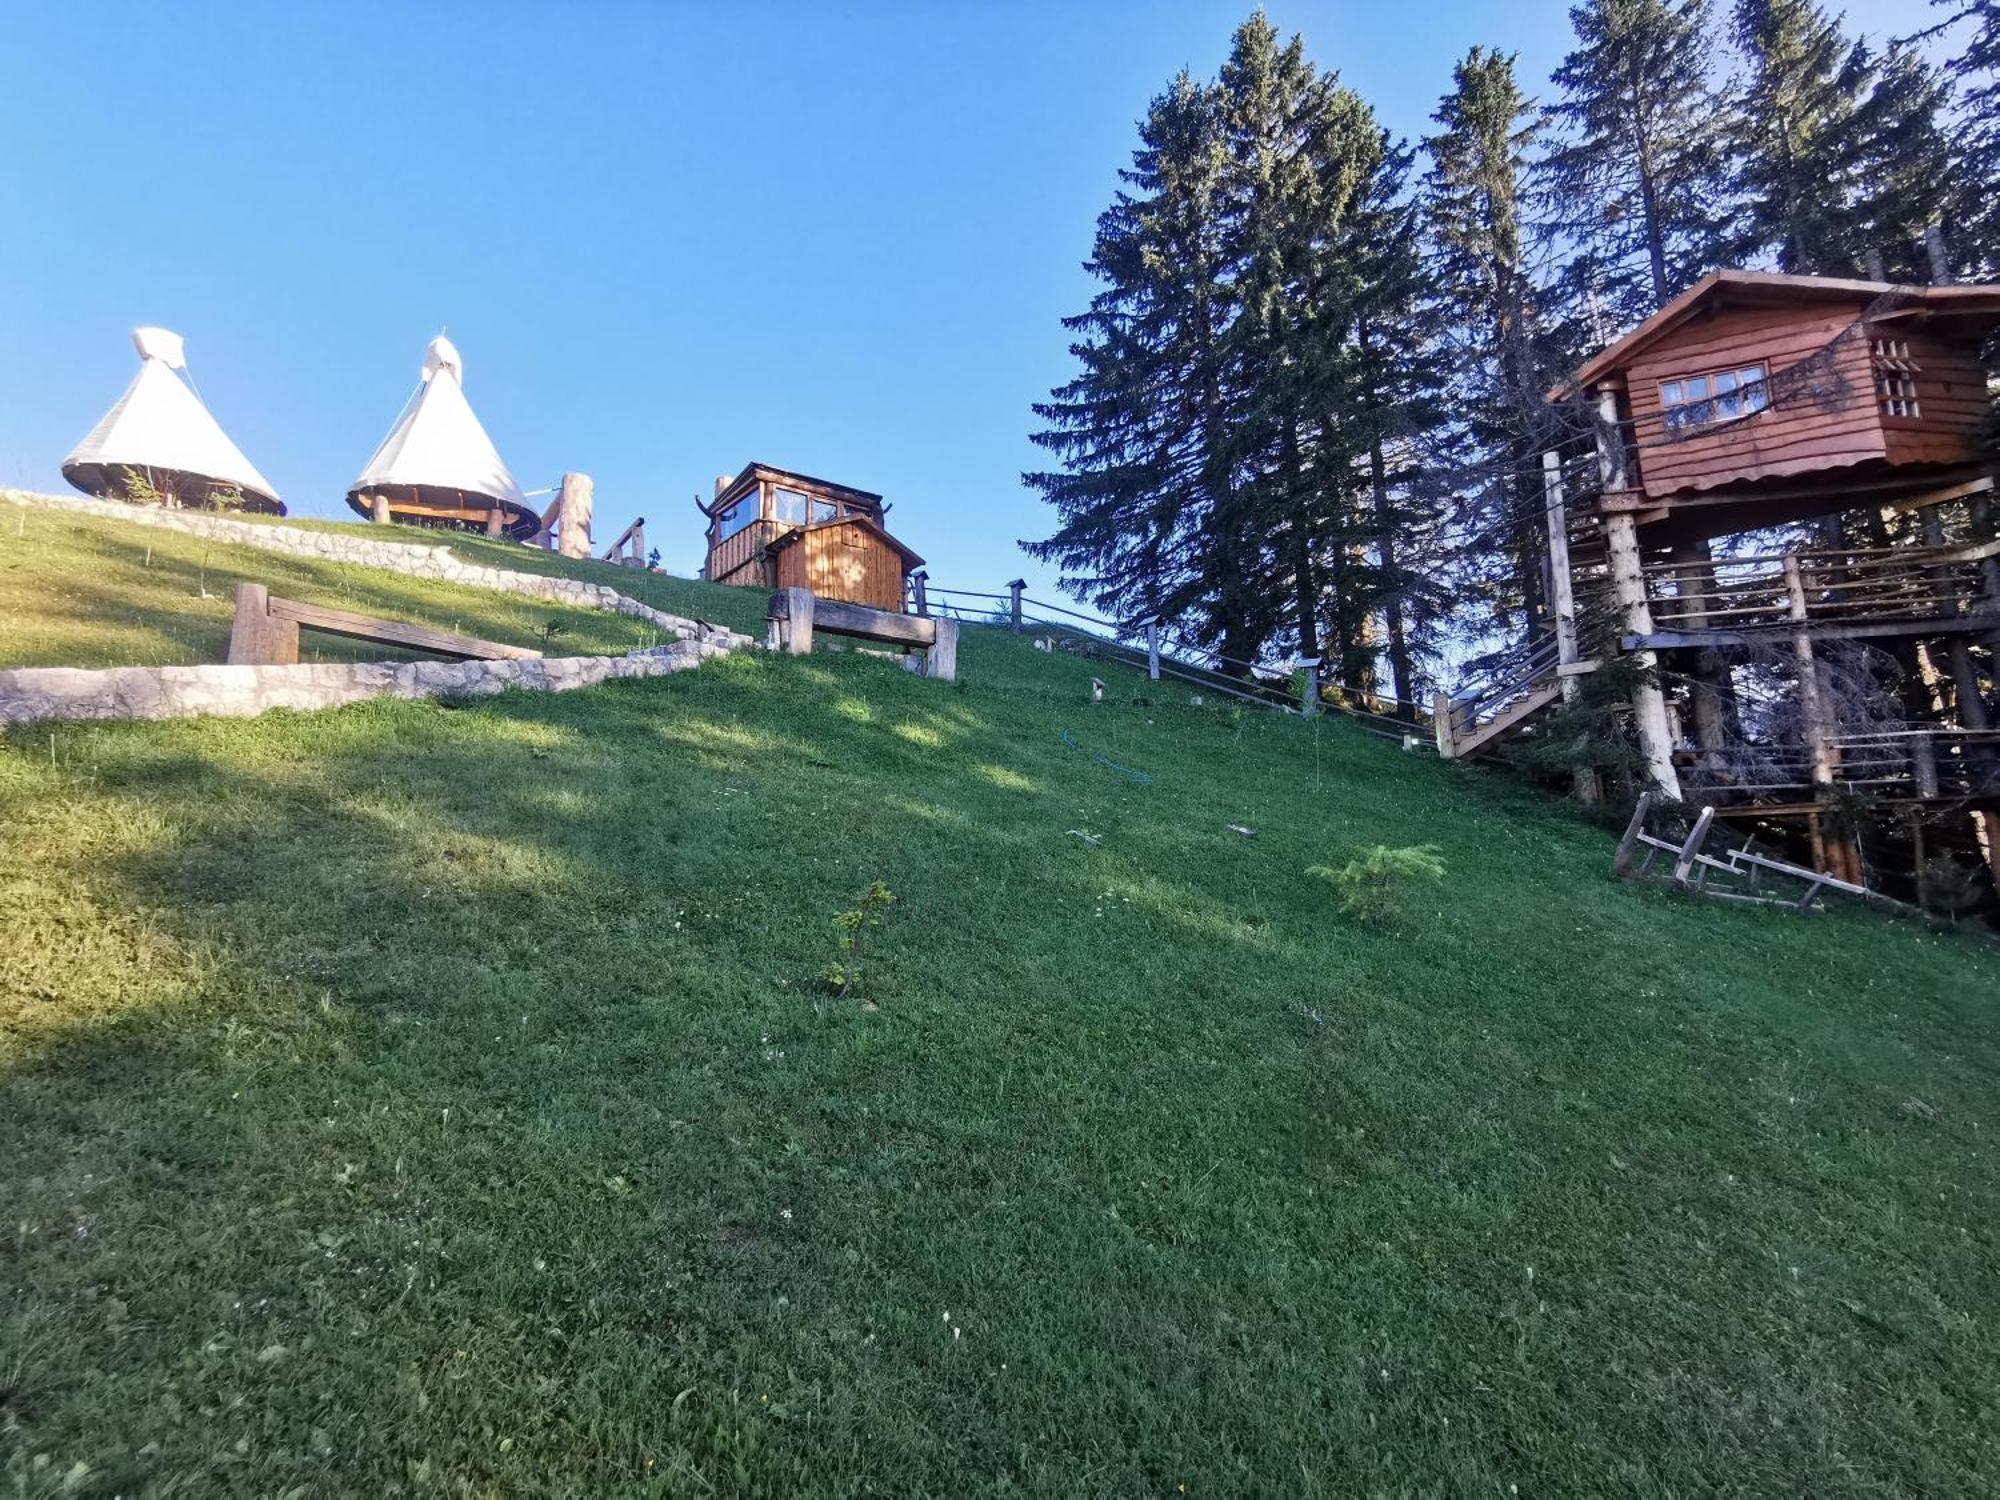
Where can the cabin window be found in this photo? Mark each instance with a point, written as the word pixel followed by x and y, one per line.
pixel 1698 400
pixel 1895 378
pixel 824 510
pixel 789 506
pixel 734 519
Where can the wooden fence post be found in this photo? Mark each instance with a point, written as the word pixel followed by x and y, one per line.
pixel 1153 650
pixel 1014 608
pixel 1309 694
pixel 494 516
pixel 917 581
pixel 255 638
pixel 1441 723
pixel 941 661
pixel 378 509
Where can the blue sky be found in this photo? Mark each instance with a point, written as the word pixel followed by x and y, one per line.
pixel 668 240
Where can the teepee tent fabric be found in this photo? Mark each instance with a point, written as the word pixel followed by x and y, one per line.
pixel 160 429
pixel 438 443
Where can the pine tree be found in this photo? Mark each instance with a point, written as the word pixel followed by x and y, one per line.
pixel 1909 178
pixel 1144 492
pixel 1796 136
pixel 1638 180
pixel 1397 376
pixel 1974 69
pixel 1500 349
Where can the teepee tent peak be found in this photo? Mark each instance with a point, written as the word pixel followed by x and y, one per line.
pixel 442 354
pixel 163 344
pixel 159 434
pixel 437 466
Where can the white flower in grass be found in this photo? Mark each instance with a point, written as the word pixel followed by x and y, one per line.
pixel 784 1213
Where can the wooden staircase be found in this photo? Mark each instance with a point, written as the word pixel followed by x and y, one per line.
pixel 1479 715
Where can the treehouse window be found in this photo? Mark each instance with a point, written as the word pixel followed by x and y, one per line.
pixel 824 510
pixel 790 506
pixel 1895 378
pixel 739 515
pixel 1699 400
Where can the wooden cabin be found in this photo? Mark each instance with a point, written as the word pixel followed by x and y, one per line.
pixel 770 528
pixel 1756 398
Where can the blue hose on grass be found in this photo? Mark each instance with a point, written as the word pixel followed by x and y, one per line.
pixel 1098 758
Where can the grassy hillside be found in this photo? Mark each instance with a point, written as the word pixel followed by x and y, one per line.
pixel 79 591
pixel 435 1099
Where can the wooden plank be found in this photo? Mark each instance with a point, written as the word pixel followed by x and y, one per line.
pixel 842 618
pixel 1621 862
pixel 343 622
pixel 1685 858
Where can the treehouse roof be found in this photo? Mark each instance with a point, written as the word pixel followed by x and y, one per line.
pixel 1976 309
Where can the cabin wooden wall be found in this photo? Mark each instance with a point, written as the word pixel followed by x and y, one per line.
pixel 1951 400
pixel 740 558
pixel 1795 434
pixel 844 560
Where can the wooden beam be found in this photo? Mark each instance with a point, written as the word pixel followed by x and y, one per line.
pixel 343 622
pixel 1857 630
pixel 858 620
pixel 256 639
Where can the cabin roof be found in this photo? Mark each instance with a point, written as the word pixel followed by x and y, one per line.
pixel 786 538
pixel 1777 289
pixel 757 471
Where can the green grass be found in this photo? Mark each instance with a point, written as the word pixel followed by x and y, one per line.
pixel 80 591
pixel 419 1099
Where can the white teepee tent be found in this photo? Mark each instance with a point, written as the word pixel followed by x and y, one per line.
pixel 161 433
pixel 437 463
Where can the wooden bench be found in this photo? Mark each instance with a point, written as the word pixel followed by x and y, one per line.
pixel 796 613
pixel 266 632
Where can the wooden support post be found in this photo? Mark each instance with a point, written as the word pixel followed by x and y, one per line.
pixel 1153 650
pixel 941 660
pixel 1958 652
pixel 378 509
pixel 1562 592
pixel 494 517
pixel 1441 724
pixel 1923 764
pixel 1649 703
pixel 1711 673
pixel 638 535
pixel 917 581
pixel 577 502
pixel 1836 853
pixel 1309 694
pixel 256 638
pixel 1014 605
pixel 798 632
pixel 1611 474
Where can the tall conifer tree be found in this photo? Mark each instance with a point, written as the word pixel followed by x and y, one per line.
pixel 1638 180
pixel 1797 136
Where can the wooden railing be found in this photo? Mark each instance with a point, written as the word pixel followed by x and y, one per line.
pixel 1834 587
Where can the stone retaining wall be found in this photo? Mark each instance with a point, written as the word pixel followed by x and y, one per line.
pixel 28 694
pixel 416 560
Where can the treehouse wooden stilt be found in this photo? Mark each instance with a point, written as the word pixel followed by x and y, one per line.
pixel 770 528
pixel 1855 415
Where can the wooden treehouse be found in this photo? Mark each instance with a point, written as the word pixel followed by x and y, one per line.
pixel 1852 418
pixel 772 529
